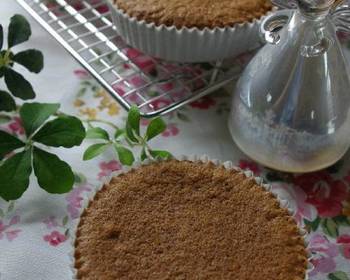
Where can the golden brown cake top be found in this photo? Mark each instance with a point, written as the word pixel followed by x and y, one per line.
pixel 195 13
pixel 184 220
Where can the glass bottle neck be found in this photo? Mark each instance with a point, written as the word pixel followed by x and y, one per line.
pixel 315 9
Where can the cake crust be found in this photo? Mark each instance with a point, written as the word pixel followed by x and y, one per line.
pixel 195 13
pixel 185 220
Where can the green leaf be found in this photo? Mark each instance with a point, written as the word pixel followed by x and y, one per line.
pixel 79 178
pixel 2 214
pixel 143 154
pixel 126 156
pixel 338 275
pixel 31 59
pixel 64 131
pixel 97 133
pixel 330 227
pixel 33 115
pixel 156 127
pixel 8 143
pixel 53 174
pixel 313 224
pixel 133 124
pixel 14 174
pixel 1 37
pixel 342 220
pixel 19 31
pixel 161 154
pixel 119 133
pixel 94 151
pixel 7 103
pixel 18 85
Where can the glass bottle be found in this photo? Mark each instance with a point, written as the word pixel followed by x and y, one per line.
pixel 291 107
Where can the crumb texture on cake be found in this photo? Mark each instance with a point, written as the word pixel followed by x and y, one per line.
pixel 185 220
pixel 195 13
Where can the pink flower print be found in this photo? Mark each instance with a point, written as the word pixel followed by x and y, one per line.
pixel 249 165
pixel 2 229
pixel 50 222
pixel 55 238
pixel 101 8
pixel 171 130
pixel 144 62
pixel 14 220
pixel 137 81
pixel 297 201
pixel 75 199
pixel 5 230
pixel 16 126
pixel 168 86
pixel 160 103
pixel 344 241
pixel 144 122
pixel 108 167
pixel 82 74
pixel 12 234
pixel 119 88
pixel 324 253
pixel 204 103
pixel 324 192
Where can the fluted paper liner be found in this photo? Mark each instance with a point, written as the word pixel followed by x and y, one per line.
pixel 203 159
pixel 187 44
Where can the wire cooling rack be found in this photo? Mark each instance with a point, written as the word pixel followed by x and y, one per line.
pixel 85 29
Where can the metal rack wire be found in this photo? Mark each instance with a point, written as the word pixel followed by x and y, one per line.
pixel 85 29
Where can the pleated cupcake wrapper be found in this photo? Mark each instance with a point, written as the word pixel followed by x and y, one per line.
pixel 202 159
pixel 187 44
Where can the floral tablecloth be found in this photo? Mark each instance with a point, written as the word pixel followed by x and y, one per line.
pixel 35 230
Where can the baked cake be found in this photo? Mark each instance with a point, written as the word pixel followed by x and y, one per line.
pixel 195 13
pixel 187 220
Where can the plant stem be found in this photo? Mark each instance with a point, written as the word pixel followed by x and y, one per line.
pixel 89 121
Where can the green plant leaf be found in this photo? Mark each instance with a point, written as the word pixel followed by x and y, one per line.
pixel 19 31
pixel 156 127
pixel 143 154
pixel 14 174
pixel 330 227
pixel 8 143
pixel 126 156
pixel 31 59
pixel 133 124
pixel 338 275
pixel 94 151
pixel 33 115
pixel 97 133
pixel 313 225
pixel 1 37
pixel 64 131
pixel 7 103
pixel 161 154
pixel 54 175
pixel 342 220
pixel 119 133
pixel 18 85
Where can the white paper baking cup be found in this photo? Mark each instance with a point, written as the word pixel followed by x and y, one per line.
pixel 186 44
pixel 201 159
